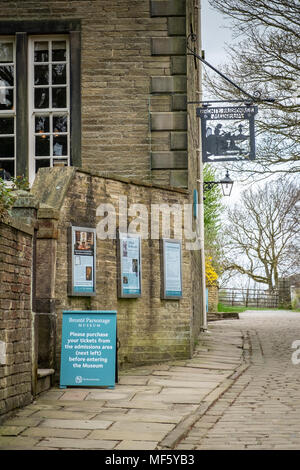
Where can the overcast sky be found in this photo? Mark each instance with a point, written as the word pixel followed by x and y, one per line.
pixel 216 33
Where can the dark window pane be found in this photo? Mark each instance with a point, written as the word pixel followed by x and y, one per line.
pixel 6 98
pixel 41 75
pixel 59 74
pixel 42 124
pixel 42 146
pixel 41 98
pixel 7 169
pixel 6 52
pixel 7 147
pixel 60 146
pixel 59 98
pixel 41 51
pixel 60 124
pixel 6 75
pixel 44 163
pixel 6 125
pixel 58 50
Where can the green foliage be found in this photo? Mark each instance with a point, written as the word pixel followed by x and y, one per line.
pixel 20 182
pixel 212 202
pixel 7 194
pixel 213 208
pixel 6 200
pixel 228 309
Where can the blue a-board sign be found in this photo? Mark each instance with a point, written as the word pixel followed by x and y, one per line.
pixel 88 350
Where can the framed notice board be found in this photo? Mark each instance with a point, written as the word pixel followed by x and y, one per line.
pixel 88 349
pixel 171 269
pixel 129 265
pixel 82 261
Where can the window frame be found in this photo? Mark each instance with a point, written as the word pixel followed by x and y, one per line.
pixel 21 30
pixel 10 113
pixel 50 111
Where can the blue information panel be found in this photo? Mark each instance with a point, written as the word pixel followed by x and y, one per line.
pixel 130 265
pixel 82 259
pixel 88 351
pixel 172 277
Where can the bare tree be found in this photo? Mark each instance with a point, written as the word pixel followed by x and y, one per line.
pixel 261 233
pixel 266 58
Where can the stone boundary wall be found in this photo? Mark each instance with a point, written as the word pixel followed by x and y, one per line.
pixel 16 254
pixel 213 299
pixel 295 296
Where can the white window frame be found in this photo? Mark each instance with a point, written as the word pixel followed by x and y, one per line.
pixel 50 111
pixel 4 113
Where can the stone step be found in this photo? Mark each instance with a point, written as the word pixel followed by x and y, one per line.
pixel 44 372
pixel 44 380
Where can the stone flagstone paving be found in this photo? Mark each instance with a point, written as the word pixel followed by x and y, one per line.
pixel 146 410
pixel 239 391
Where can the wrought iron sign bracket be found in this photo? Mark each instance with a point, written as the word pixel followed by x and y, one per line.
pixel 255 98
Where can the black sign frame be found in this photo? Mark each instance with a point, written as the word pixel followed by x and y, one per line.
pixel 220 147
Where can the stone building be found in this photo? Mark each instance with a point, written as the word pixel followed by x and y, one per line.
pixel 96 103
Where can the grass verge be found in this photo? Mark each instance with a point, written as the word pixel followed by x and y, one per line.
pixel 239 309
pixel 227 308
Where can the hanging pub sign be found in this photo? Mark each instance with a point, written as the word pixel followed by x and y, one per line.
pixel 82 261
pixel 227 133
pixel 129 263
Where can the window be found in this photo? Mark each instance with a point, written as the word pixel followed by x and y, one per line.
pixel 49 109
pixel 40 105
pixel 7 108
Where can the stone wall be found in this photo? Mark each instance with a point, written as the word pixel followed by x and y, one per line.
pixel 149 329
pixel 16 253
pixel 295 296
pixel 174 132
pixel 213 298
pixel 135 83
pixel 284 292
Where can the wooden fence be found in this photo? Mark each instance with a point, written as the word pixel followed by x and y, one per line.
pixel 250 297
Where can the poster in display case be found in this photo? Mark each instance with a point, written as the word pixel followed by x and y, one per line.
pixel 130 264
pixel 171 269
pixel 82 261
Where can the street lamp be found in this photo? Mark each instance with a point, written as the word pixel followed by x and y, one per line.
pixel 226 184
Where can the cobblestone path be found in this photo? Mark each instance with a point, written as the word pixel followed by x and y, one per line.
pixel 262 408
